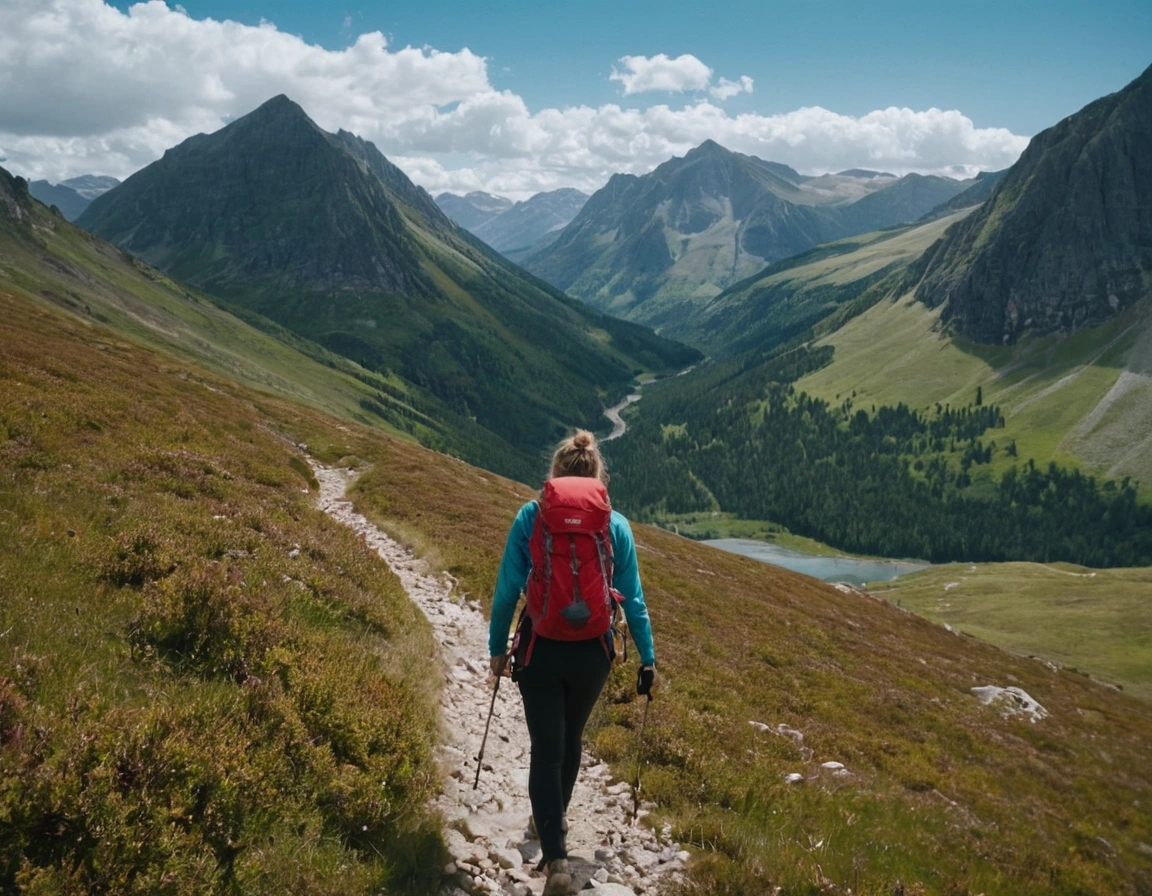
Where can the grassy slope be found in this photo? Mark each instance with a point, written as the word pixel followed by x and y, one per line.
pixel 870 252
pixel 100 436
pixel 206 685
pixel 1097 620
pixel 1060 397
pixel 944 795
pixel 93 279
pixel 67 268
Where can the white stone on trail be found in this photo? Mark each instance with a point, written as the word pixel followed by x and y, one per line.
pixel 1014 701
pixel 486 828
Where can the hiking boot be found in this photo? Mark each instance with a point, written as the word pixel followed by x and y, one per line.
pixel 559 881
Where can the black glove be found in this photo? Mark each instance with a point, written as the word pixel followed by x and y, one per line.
pixel 645 680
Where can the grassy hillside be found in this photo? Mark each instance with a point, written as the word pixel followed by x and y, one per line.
pixel 54 263
pixel 943 795
pixel 1084 399
pixel 205 682
pixel 1096 620
pixel 206 686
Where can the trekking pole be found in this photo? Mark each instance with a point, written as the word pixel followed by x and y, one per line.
pixel 491 708
pixel 639 754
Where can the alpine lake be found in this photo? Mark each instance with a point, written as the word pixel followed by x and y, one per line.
pixel 852 570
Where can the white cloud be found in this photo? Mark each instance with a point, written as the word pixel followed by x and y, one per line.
pixel 660 73
pixel 85 88
pixel 727 89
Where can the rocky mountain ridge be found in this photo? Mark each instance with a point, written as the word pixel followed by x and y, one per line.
pixel 472 209
pixel 528 226
pixel 1065 239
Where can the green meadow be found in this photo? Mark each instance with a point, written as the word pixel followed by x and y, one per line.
pixel 1083 400
pixel 1098 621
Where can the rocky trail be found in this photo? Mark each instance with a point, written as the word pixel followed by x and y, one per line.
pixel 486 828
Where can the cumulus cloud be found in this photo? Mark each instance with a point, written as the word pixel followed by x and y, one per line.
pixel 727 89
pixel 660 73
pixel 86 88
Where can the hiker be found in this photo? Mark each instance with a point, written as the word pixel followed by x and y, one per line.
pixel 562 665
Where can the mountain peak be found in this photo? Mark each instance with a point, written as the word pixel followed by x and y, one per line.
pixel 15 200
pixel 279 112
pixel 708 148
pixel 279 104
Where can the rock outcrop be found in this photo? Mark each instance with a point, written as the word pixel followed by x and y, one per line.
pixel 15 200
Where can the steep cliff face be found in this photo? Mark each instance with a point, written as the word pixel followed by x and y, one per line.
pixel 1065 239
pixel 15 200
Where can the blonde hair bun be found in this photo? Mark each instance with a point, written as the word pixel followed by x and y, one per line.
pixel 579 455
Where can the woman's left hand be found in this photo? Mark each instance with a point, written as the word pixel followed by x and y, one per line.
pixel 498 665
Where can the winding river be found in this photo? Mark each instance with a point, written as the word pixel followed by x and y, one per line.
pixel 619 427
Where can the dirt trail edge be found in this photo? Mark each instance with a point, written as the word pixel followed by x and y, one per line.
pixel 486 828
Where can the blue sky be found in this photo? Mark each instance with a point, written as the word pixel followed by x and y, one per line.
pixel 1018 64
pixel 519 97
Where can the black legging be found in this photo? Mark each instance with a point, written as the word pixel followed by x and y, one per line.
pixel 559 686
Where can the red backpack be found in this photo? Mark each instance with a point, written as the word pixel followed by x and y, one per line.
pixel 569 591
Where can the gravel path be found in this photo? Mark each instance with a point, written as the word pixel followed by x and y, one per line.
pixel 486 828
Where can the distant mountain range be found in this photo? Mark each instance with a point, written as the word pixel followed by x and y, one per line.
pixel 514 230
pixel 651 248
pixel 975 195
pixel 72 196
pixel 472 209
pixel 322 234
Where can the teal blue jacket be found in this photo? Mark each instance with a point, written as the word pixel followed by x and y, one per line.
pixel 517 563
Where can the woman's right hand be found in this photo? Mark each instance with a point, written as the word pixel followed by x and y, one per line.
pixel 498 665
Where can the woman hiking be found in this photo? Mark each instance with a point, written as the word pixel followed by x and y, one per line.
pixel 574 558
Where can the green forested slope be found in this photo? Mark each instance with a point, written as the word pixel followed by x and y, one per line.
pixel 46 259
pixel 888 480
